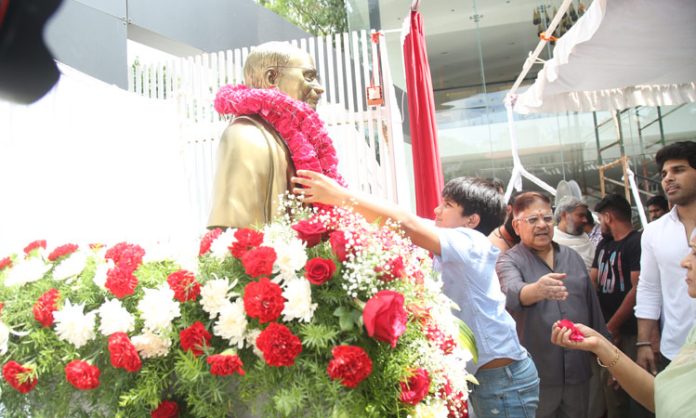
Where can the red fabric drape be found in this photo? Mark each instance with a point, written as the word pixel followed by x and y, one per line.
pixel 421 108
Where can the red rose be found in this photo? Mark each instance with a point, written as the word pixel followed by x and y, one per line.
pixel 121 282
pixel 350 364
pixel 126 256
pixel 40 243
pixel 319 270
pixel 5 263
pixel 208 239
pixel 166 409
pixel 575 334
pixel 385 317
pixel 394 269
pixel 45 306
pixel 416 388
pixel 195 338
pixel 278 345
pixel 22 378
pixel 184 285
pixel 246 239
pixel 259 261
pixel 225 364
pixel 82 375
pixel 62 251
pixel 338 242
pixel 311 231
pixel 123 352
pixel 263 300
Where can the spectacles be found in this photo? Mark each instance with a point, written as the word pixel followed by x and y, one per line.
pixel 532 220
pixel 309 73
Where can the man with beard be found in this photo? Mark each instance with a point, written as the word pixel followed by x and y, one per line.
pixel 614 273
pixel 661 291
pixel 571 217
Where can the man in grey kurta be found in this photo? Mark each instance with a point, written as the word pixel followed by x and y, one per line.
pixel 564 373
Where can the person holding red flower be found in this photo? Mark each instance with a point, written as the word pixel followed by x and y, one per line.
pixel 471 208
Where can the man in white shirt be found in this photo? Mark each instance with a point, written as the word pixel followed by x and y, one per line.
pixel 571 217
pixel 661 289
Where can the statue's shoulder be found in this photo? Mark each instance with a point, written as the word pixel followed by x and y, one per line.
pixel 247 129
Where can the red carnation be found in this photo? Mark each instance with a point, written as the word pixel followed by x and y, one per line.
pixel 45 306
pixel 575 334
pixel 319 270
pixel 259 261
pixel 311 231
pixel 40 243
pixel 21 377
pixel 225 364
pixel 5 263
pixel 126 256
pixel 121 281
pixel 350 364
pixel 246 239
pixel 184 285
pixel 195 338
pixel 263 300
pixel 385 317
pixel 338 242
pixel 62 251
pixel 416 388
pixel 278 345
pixel 394 269
pixel 166 409
pixel 82 375
pixel 123 352
pixel 208 239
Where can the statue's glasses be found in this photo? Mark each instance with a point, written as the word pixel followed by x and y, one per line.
pixel 309 73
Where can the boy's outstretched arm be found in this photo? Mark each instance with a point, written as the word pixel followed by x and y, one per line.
pixel 320 189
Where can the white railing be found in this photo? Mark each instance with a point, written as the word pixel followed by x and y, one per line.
pixel 366 137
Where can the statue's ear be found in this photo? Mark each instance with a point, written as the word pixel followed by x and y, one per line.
pixel 270 77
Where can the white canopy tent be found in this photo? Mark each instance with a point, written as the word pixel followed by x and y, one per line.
pixel 621 53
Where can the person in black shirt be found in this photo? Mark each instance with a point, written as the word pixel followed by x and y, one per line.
pixel 615 271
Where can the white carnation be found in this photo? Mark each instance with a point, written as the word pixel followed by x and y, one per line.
pixel 4 338
pixel 150 344
pixel 100 274
pixel 158 308
pixel 291 256
pixel 435 408
pixel 215 295
pixel 27 271
pixel 220 248
pixel 232 323
pixel 73 325
pixel 70 266
pixel 251 337
pixel 298 294
pixel 115 318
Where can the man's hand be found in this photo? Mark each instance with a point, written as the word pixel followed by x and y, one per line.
pixel 646 359
pixel 550 286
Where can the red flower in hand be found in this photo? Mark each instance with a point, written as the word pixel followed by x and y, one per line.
pixel 184 285
pixel 45 306
pixel 278 345
pixel 39 243
pixel 263 300
pixel 22 378
pixel 350 364
pixel 166 409
pixel 5 263
pixel 195 338
pixel 246 239
pixel 385 317
pixel 82 375
pixel 416 388
pixel 575 334
pixel 225 364
pixel 121 281
pixel 123 352
pixel 319 270
pixel 208 239
pixel 311 231
pixel 259 261
pixel 62 251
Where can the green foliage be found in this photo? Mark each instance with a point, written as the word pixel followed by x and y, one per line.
pixel 318 17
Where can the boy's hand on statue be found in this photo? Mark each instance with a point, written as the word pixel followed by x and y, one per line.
pixel 318 188
pixel 561 336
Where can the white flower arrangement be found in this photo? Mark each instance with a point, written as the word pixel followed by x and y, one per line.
pixel 115 318
pixel 73 325
pixel 158 308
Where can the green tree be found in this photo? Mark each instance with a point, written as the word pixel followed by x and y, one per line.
pixel 318 17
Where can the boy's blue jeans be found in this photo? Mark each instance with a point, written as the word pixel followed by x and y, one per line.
pixel 508 391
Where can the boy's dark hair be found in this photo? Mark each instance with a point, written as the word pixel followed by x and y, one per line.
pixel 659 201
pixel 479 196
pixel 526 199
pixel 617 205
pixel 683 150
pixel 590 218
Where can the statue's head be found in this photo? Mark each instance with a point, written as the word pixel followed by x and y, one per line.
pixel 281 65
